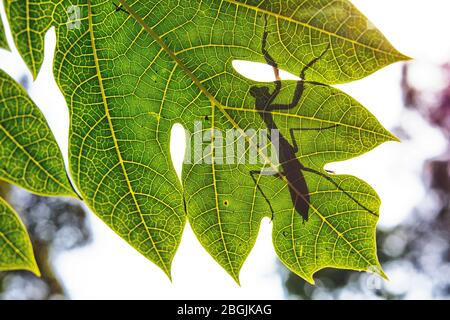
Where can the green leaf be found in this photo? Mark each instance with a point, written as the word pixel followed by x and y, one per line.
pixel 29 154
pixel 29 20
pixel 344 210
pixel 340 232
pixel 16 252
pixel 3 42
pixel 130 73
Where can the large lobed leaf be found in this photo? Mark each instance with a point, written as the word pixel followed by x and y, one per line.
pixel 129 75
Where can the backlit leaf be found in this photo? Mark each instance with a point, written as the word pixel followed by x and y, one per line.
pixel 3 42
pixel 130 72
pixel 29 154
pixel 16 252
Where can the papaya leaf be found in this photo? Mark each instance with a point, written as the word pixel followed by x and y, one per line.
pixel 344 210
pixel 16 252
pixel 29 154
pixel 131 70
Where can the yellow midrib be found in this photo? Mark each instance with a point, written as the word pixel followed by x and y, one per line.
pixel 28 32
pixel 16 250
pixel 304 24
pixel 216 195
pixel 211 98
pixel 34 160
pixel 8 207
pixel 288 115
pixel 116 145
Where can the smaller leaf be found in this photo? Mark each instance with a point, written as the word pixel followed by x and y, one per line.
pixel 3 42
pixel 29 21
pixel 29 154
pixel 16 252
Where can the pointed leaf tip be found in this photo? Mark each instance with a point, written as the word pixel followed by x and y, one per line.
pixel 17 252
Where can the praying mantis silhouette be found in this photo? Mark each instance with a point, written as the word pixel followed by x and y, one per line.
pixel 292 169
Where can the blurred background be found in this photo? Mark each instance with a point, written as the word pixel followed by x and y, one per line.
pixel 81 258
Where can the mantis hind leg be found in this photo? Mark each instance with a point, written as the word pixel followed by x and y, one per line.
pixel 329 179
pixel 294 140
pixel 313 62
pixel 264 173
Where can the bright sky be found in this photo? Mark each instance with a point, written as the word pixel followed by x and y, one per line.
pixel 110 268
